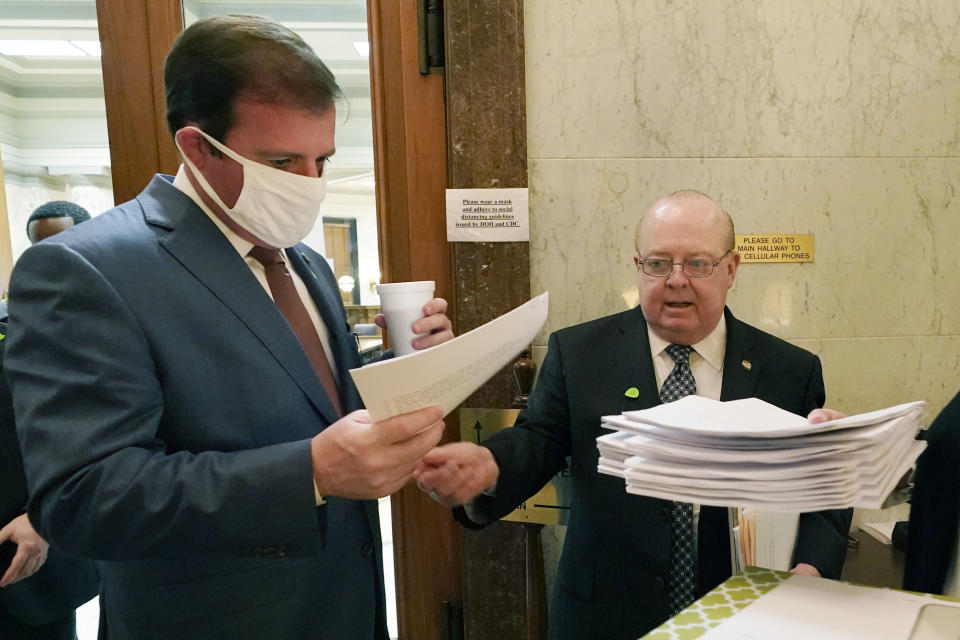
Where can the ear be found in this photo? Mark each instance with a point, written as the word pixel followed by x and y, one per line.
pixel 732 265
pixel 194 146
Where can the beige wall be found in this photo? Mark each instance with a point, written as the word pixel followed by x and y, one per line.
pixel 836 118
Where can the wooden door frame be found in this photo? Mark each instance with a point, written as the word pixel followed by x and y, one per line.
pixel 410 160
pixel 135 36
pixel 410 151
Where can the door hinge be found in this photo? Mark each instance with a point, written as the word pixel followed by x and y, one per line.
pixel 452 613
pixel 430 28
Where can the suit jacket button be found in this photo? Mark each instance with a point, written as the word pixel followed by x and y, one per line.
pixel 660 581
pixel 367 549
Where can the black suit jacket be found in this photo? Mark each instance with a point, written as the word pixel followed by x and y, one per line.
pixel 166 410
pixel 935 505
pixel 62 583
pixel 612 575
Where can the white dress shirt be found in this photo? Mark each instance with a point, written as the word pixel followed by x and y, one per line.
pixel 706 360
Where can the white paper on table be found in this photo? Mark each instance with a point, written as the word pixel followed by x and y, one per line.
pixel 801 607
pixel 448 373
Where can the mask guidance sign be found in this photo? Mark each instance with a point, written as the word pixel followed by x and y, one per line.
pixel 488 215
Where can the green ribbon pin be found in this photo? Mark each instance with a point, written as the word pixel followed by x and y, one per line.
pixel 632 392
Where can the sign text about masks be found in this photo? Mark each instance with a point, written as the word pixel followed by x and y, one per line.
pixel 487 215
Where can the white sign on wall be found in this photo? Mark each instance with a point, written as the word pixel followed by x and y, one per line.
pixel 488 215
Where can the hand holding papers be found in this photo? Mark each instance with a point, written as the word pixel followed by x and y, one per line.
pixel 447 374
pixel 751 453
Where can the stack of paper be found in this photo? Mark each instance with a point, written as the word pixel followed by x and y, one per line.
pixel 749 453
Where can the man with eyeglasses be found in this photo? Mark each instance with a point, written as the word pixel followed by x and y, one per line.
pixel 631 562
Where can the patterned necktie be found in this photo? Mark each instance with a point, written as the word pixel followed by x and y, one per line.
pixel 291 306
pixel 680 383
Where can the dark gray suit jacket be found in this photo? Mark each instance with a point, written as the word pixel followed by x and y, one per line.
pixel 612 577
pixel 165 410
pixel 47 599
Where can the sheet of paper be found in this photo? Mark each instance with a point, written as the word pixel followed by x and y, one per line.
pixel 750 417
pixel 801 607
pixel 626 442
pixel 882 531
pixel 773 539
pixel 698 414
pixel 447 374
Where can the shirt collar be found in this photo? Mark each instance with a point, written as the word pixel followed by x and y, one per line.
pixel 712 348
pixel 182 182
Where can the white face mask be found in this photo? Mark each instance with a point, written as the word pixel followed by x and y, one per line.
pixel 278 207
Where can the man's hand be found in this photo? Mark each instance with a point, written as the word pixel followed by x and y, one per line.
pixel 823 415
pixel 31 550
pixel 456 473
pixel 360 459
pixel 435 323
pixel 805 569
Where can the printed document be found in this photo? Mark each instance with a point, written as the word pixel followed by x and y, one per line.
pixel 448 373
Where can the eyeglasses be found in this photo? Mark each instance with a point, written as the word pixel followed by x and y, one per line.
pixel 692 268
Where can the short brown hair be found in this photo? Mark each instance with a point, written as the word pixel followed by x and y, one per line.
pixel 219 60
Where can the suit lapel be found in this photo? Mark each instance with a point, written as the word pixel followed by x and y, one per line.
pixel 633 356
pixel 741 362
pixel 196 243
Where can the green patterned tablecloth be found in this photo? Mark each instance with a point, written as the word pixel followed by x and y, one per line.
pixel 718 605
pixel 724 602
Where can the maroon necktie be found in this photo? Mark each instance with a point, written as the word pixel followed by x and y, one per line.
pixel 291 306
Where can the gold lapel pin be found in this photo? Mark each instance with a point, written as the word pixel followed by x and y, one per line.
pixel 746 364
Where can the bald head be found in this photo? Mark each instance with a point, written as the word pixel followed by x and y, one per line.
pixel 692 236
pixel 692 207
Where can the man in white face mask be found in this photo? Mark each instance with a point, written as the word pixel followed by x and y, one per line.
pixel 200 432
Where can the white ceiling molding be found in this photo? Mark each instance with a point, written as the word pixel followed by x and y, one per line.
pixel 52 113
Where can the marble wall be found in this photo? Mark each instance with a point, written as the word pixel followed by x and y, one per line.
pixel 827 117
